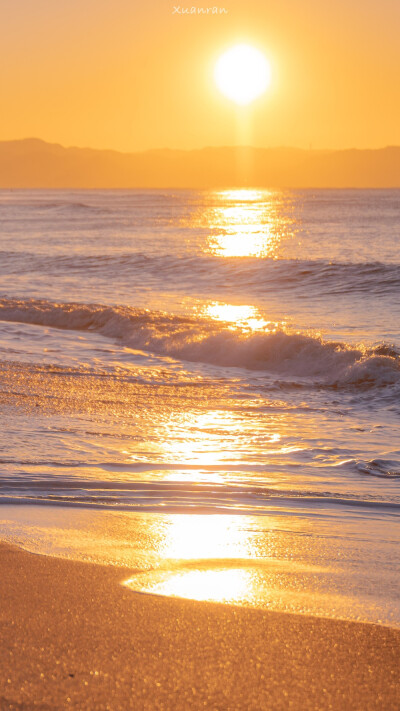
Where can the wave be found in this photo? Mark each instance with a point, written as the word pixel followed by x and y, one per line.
pixel 177 496
pixel 37 207
pixel 260 274
pixel 41 474
pixel 382 468
pixel 211 342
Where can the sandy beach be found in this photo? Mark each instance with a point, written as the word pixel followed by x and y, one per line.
pixel 73 637
pixel 199 356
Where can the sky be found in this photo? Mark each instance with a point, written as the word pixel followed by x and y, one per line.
pixel 134 75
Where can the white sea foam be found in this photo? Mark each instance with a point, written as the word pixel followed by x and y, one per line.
pixel 207 341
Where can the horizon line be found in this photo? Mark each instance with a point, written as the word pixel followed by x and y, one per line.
pixel 310 149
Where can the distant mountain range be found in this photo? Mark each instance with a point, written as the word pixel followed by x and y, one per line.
pixel 32 163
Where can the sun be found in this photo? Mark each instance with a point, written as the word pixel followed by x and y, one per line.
pixel 242 74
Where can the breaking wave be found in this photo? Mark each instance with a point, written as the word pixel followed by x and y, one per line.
pixel 210 342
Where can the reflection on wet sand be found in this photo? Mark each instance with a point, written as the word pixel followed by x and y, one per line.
pixel 203 558
pixel 254 561
pixel 224 558
pixel 221 585
pixel 276 562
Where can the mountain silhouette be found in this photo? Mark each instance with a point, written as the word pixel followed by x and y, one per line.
pixel 33 163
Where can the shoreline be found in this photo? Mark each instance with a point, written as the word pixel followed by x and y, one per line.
pixel 128 574
pixel 73 637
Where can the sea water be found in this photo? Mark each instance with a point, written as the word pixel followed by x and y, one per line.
pixel 204 387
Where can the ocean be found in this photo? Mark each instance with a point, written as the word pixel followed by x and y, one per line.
pixel 204 387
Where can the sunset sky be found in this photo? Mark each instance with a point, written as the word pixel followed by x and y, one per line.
pixel 135 75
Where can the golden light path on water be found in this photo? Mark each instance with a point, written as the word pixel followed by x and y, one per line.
pixel 239 316
pixel 247 223
pixel 226 558
pixel 215 439
pixel 203 449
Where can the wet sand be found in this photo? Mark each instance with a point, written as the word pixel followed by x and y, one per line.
pixel 72 637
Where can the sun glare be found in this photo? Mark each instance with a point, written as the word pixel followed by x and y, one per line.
pixel 242 74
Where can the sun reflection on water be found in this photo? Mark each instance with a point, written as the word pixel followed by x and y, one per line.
pixel 243 316
pixel 247 223
pixel 215 445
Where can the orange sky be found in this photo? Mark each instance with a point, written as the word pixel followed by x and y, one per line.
pixel 132 75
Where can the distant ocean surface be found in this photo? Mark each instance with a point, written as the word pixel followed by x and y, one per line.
pixel 207 383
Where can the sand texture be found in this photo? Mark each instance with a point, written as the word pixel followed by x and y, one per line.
pixel 73 638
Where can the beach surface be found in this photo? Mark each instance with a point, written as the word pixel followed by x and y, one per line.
pixel 72 636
